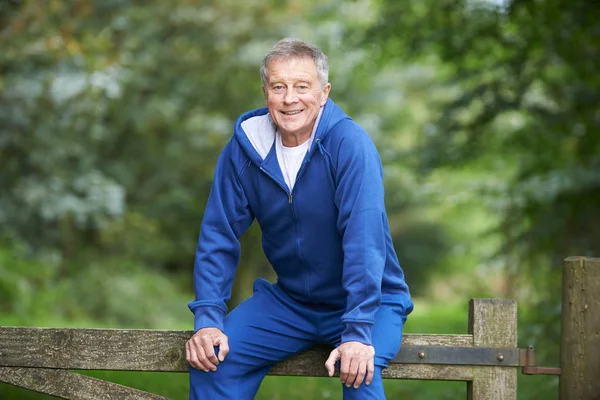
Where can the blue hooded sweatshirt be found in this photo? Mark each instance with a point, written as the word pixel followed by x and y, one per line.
pixel 328 239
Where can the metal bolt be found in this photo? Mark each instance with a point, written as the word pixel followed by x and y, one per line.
pixel 421 354
pixel 500 357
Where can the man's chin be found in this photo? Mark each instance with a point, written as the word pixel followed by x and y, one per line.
pixel 289 129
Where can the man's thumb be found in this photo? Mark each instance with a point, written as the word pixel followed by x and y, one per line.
pixel 330 363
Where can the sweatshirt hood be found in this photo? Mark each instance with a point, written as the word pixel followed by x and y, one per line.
pixel 255 130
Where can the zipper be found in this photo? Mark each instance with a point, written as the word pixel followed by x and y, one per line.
pixel 285 188
pixel 297 222
pixel 290 194
pixel 304 163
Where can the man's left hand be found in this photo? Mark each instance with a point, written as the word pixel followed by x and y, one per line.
pixel 357 363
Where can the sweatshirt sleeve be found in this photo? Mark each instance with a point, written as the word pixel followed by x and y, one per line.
pixel 226 218
pixel 362 222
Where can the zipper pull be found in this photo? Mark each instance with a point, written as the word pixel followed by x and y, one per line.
pixel 290 199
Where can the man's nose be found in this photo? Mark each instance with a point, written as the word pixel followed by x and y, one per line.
pixel 290 96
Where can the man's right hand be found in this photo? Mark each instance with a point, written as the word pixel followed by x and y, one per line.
pixel 200 349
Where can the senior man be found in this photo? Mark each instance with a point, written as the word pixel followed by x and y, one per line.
pixel 313 180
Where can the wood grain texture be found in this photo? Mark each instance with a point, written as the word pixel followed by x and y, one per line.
pixel 144 350
pixel 100 349
pixel 429 372
pixel 493 323
pixel 437 340
pixel 69 385
pixel 312 363
pixel 580 343
pixel 37 358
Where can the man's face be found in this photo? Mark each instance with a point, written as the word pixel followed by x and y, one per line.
pixel 294 97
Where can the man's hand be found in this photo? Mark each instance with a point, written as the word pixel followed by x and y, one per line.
pixel 200 349
pixel 357 360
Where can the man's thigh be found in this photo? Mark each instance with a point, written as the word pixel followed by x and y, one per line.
pixel 374 391
pixel 387 337
pixel 267 327
pixel 262 330
pixel 386 334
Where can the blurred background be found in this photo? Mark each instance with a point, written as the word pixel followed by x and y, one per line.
pixel 113 113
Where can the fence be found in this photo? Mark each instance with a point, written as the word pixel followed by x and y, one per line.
pixel 487 358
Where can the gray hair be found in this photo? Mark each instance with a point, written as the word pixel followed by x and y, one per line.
pixel 296 48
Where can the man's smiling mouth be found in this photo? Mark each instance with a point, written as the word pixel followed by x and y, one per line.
pixel 292 112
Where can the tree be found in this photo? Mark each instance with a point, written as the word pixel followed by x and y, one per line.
pixel 518 101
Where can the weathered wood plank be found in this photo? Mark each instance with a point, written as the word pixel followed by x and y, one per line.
pixel 437 340
pixel 140 350
pixel 49 352
pixel 429 372
pixel 580 343
pixel 101 349
pixel 493 323
pixel 69 385
pixel 395 371
pixel 312 363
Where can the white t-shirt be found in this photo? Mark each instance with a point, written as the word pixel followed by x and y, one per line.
pixel 261 131
pixel 290 159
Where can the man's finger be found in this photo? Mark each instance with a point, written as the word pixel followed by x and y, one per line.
pixel 194 359
pixel 344 367
pixel 330 363
pixel 187 351
pixel 352 371
pixel 197 347
pixel 370 371
pixel 362 369
pixel 210 360
pixel 223 343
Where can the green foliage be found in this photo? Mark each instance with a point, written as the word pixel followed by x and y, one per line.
pixel 519 94
pixel 113 113
pixel 112 124
pixel 114 293
pixel 521 87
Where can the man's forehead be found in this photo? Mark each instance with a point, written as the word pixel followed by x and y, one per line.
pixel 301 65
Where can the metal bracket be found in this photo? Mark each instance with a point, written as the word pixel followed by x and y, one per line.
pixel 497 356
pixel 477 356
pixel 529 367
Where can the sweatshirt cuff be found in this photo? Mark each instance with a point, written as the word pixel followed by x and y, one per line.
pixel 358 332
pixel 208 317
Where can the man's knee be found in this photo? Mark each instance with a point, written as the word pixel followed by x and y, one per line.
pixel 219 384
pixel 374 391
pixel 233 379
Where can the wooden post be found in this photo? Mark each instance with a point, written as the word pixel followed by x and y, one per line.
pixel 493 323
pixel 580 343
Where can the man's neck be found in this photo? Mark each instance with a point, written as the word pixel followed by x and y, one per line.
pixel 292 140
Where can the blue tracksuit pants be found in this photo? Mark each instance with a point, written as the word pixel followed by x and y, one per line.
pixel 270 327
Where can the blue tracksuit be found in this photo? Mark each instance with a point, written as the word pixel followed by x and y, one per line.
pixel 328 240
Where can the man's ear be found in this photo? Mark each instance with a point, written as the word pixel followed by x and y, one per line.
pixel 325 93
pixel 264 92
